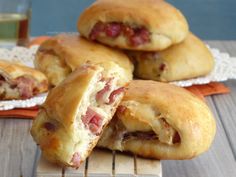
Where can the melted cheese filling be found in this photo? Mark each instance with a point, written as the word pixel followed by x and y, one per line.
pixel 145 118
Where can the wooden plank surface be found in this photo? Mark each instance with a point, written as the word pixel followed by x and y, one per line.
pixel 44 168
pixel 100 162
pixel 103 163
pixel 146 167
pixel 121 161
pixel 226 105
pixel 17 149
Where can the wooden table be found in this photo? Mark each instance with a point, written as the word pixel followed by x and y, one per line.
pixel 18 151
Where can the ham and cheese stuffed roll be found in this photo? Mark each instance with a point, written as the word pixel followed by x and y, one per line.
pixel 75 112
pixel 191 58
pixel 160 121
pixel 20 82
pixel 61 54
pixel 134 24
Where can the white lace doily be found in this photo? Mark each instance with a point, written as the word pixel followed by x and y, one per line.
pixel 225 68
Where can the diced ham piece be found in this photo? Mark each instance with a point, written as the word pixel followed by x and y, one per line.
pixel 49 126
pixel 176 138
pixel 93 121
pixel 121 109
pixel 135 35
pixel 97 29
pixel 100 96
pixel 162 67
pixel 140 37
pixel 113 29
pixel 76 160
pixel 115 93
pixel 25 86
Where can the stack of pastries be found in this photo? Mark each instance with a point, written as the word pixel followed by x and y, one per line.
pixel 95 101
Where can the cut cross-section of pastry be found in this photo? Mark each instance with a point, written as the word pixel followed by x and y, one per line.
pixel 75 112
pixel 188 59
pixel 161 121
pixel 61 54
pixel 145 25
pixel 20 82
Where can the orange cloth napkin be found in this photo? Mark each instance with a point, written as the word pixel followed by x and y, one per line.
pixel 21 113
pixel 208 89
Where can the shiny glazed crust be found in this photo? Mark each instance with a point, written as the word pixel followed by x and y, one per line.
pixel 183 111
pixel 165 23
pixel 61 108
pixel 61 54
pixel 186 60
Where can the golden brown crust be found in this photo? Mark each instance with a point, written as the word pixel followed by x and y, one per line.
pixel 186 60
pixel 62 103
pixel 183 111
pixel 165 23
pixel 60 108
pixel 60 129
pixel 13 70
pixel 61 54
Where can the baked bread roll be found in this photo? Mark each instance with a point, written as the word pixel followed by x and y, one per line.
pixel 60 55
pixel 160 121
pixel 135 24
pixel 75 112
pixel 186 60
pixel 20 82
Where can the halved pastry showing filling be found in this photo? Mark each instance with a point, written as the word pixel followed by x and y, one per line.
pixel 20 82
pixel 160 121
pixel 145 25
pixel 61 54
pixel 75 113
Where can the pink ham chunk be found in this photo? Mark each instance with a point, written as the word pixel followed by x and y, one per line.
pixel 49 126
pixel 121 109
pixel 135 35
pixel 97 29
pixel 76 160
pixel 115 93
pixel 141 36
pixel 113 29
pixel 93 121
pixel 101 95
pixel 26 86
